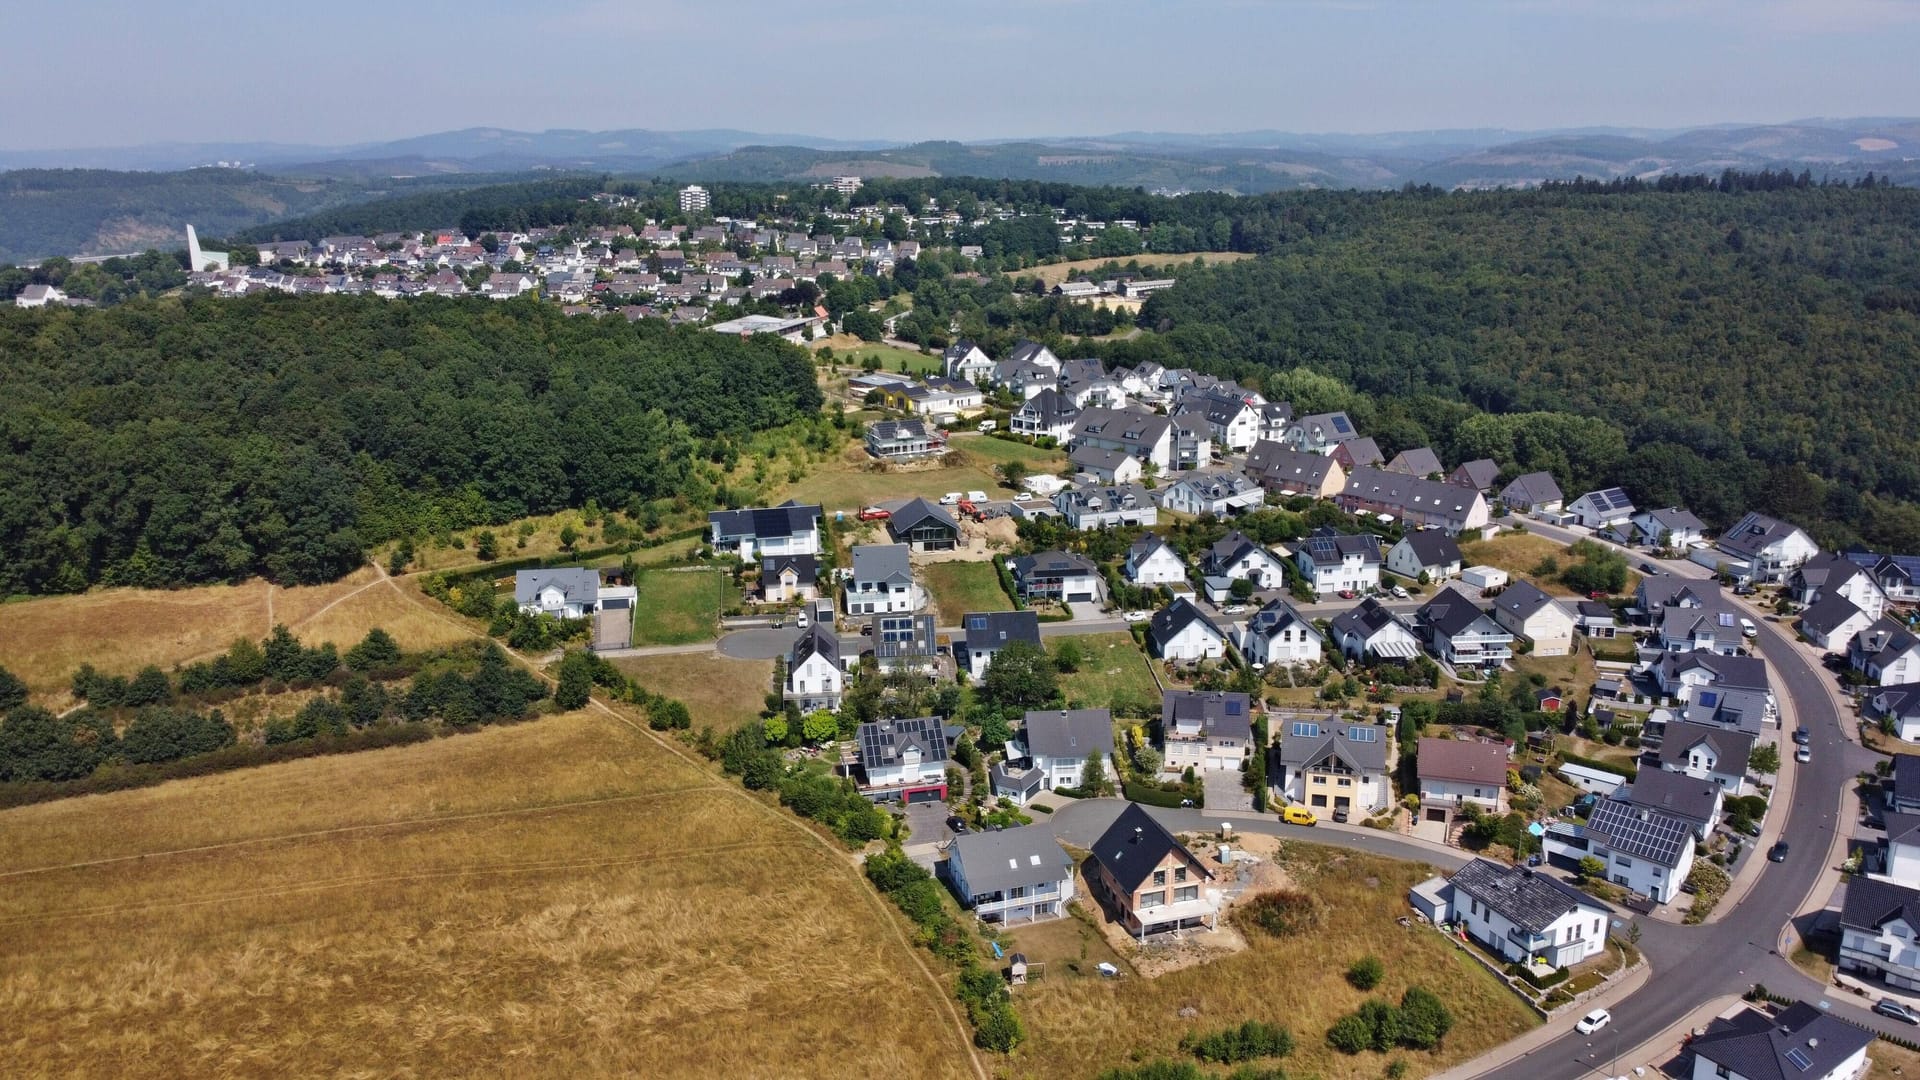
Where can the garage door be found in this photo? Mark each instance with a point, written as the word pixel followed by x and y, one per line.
pixel 924 795
pixel 1218 763
pixel 1079 598
pixel 1436 814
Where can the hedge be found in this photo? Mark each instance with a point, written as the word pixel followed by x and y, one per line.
pixel 1539 982
pixel 1153 796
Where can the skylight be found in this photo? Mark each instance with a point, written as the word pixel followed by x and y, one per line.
pixel 1359 733
pixel 1305 729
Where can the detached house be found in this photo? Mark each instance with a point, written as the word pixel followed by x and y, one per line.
pixel 1013 876
pixel 965 360
pixel 1522 915
pixel 1534 493
pixel 1334 768
pixel 1357 453
pixel 1758 549
pixel 1279 634
pixel 816 677
pixel 922 526
pixel 1534 615
pixel 1180 631
pixel 1335 562
pixel 1603 510
pixel 1105 466
pixel 1107 507
pixel 1825 576
pixel 904 440
pixel 1646 850
pixel 1321 432
pixel 1150 561
pixel 1371 632
pixel 1832 623
pixel 1238 558
pixel 1147 436
pixel 1897 575
pixel 1899 705
pixel 1880 932
pixel 987 632
pixel 787 529
pixel 1671 527
pixel 1428 552
pixel 1285 471
pixel 1146 880
pixel 1233 422
pixel 1059 741
pixel 1478 474
pixel 1801 1043
pixel 904 759
pixel 1457 771
pixel 1222 494
pixel 1047 414
pixel 564 592
pixel 906 643
pixel 882 581
pixel 1461 634
pixel 1208 731
pixel 1419 461
pixel 1058 575
pixel 1886 653
pixel 785 578
pixel 1708 753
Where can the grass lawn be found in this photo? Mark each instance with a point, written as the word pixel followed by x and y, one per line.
pixel 1055 273
pixel 1572 673
pixel 680 607
pixel 563 896
pixel 1599 751
pixel 717 690
pixel 1079 1027
pixel 850 350
pixel 960 587
pixel 1519 553
pixel 1112 669
pixel 998 451
pixel 849 484
pixel 1891 1062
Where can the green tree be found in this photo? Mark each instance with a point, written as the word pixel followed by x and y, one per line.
pixel 820 727
pixel 1764 759
pixel 568 536
pixel 1366 973
pixel 1013 474
pixel 149 687
pixel 1068 656
pixel 37 745
pixel 486 545
pixel 995 732
pixel 1020 676
pixel 774 729
pixel 376 651
pixel 1592 868
pixel 576 680
pixel 1093 777
pixel 13 691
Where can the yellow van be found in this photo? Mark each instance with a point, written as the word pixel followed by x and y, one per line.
pixel 1298 815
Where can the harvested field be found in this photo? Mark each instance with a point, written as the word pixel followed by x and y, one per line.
pixel 1055 273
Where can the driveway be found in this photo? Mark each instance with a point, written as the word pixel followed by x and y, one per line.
pixel 762 643
pixel 1224 791
pixel 927 824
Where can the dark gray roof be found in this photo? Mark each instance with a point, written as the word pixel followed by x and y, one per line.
pixel 1218 712
pixel 806 567
pixel 788 519
pixel 1277 616
pixel 882 562
pixel 1757 1047
pixel 917 513
pixel 1523 600
pixel 1609 501
pixel 999 861
pixel 1008 780
pixel 1901 828
pixel 1532 489
pixel 1228 550
pixel 1095 459
pixel 1049 408
pixel 1327 547
pixel 1675 519
pixel 1365 619
pixel 1362 747
pixel 1135 431
pixel 884 742
pixel 579 584
pixel 1732 707
pixel 1528 900
pixel 1052 564
pixel 1480 473
pixel 1883 642
pixel 1752 534
pixel 1069 733
pixel 893 430
pixel 897 636
pixel 1418 461
pixel 1737 672
pixel 1452 613
pixel 1409 494
pixel 990 630
pixel 1871 904
pixel 1732 747
pixel 1676 793
pixel 1134 845
pixel 1906 773
pixel 1273 464
pixel 1432 547
pixel 1898 701
pixel 1641 831
pixel 819 640
pixel 1146 545
pixel 1177 616
pixel 1828 614
pixel 1217 484
pixel 1024 351
pixel 1361 452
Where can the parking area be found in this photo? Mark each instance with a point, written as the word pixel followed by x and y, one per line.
pixel 1224 791
pixel 927 823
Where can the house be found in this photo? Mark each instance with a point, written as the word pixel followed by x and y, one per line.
pixel 1478 474
pixel 1758 549
pixel 1537 617
pixel 1369 631
pixel 1180 631
pixel 816 676
pixel 1483 577
pixel 1597 781
pixel 1711 625
pixel 1708 753
pixel 922 526
pixel 1420 461
pixel 1207 731
pixel 1231 421
pixel 1335 562
pixel 1106 466
pixel 565 592
pixel 39 296
pixel 1896 706
pixel 1527 917
pixel 1147 436
pixel 987 632
pixel 1608 508
pixel 1427 555
pixel 1832 623
pixel 1059 742
pixel 1046 415
pixel 1283 470
pixel 1903 792
pixel 1415 502
pixel 1222 494
pixel 1150 561
pixel 881 582
pixel 1801 1043
pixel 1549 699
pixel 1825 576
pixel 1534 493
pixel 1680 674
pixel 787 529
pixel 1320 433
pixel 1279 634
pixel 1018 783
pixel 904 759
pixel 1058 575
pixel 1013 876
pixel 508 286
pixel 1897 575
pixel 1646 850
pixel 1743 710
pixel 1461 634
pixel 1900 850
pixel 1887 653
pixel 785 578
pixel 1355 453
pixel 904 440
pixel 1237 558
pixel 1275 416
pixel 965 360
pixel 1670 528
pixel 1457 771
pixel 1107 507
pixel 1880 932
pixel 1329 767
pixel 1596 620
pixel 1698 801
pixel 1146 880
pixel 906 643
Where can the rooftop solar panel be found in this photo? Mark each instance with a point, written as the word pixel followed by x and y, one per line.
pixel 1800 1059
pixel 1340 423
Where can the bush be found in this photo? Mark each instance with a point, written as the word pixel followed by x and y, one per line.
pixel 1366 973
pixel 1154 796
pixel 1281 913
pixel 1420 1023
pixel 1250 1040
pixel 1351 1034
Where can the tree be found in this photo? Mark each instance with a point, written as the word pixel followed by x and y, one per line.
pixel 820 727
pixel 576 680
pixel 1765 759
pixel 1366 973
pixel 863 324
pixel 1424 1020
pixel 1020 676
pixel 1592 868
pixel 374 652
pixel 1241 589
pixel 995 732
pixel 774 729
pixel 1093 778
pixel 37 745
pixel 568 536
pixel 1068 656
pixel 1013 474
pixel 13 692
pixel 486 545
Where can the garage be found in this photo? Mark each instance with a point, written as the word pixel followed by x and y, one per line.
pixel 1079 598
pixel 1219 763
pixel 924 794
pixel 1435 813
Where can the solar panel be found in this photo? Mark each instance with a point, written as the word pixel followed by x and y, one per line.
pixel 1800 1059
pixel 1233 706
pixel 1363 734
pixel 1340 423
pixel 1726 618
pixel 1305 730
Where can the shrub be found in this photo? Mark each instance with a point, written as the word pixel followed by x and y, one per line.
pixel 1282 912
pixel 1366 973
pixel 1250 1040
pixel 1351 1034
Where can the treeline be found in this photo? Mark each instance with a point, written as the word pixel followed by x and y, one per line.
pixel 165 443
pixel 476 210
pixel 1739 346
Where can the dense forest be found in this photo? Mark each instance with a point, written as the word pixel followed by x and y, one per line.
pixel 1743 347
pixel 199 439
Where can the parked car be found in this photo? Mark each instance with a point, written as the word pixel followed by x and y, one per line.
pixel 1298 815
pixel 1747 629
pixel 1597 594
pixel 976 497
pixel 1341 816
pixel 956 824
pixel 1649 568
pixel 1801 736
pixel 1778 852
pixel 874 513
pixel 1400 591
pixel 1803 755
pixel 951 498
pixel 1891 1008
pixel 1348 594
pixel 1593 1021
pixel 801 621
pixel 988 425
pixel 1139 616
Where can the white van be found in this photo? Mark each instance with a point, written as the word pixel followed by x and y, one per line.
pixel 988 425
pixel 1747 629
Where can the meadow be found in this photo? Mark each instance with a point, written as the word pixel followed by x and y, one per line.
pixel 1112 669
pixel 717 690
pixel 961 587
pixel 1054 273
pixel 680 607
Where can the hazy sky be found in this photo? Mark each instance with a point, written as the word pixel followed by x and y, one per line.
pixel 118 72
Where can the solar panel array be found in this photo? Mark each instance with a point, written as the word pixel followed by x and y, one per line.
pixel 1641 832
pixel 1612 499
pixel 1340 423
pixel 1800 1059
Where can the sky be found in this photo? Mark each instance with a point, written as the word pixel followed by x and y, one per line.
pixel 96 73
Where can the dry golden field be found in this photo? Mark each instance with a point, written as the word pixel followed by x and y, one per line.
pixel 1054 273
pixel 717 690
pixel 564 897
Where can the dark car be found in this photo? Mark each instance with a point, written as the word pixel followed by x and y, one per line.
pixel 1778 852
pixel 1892 1008
pixel 1802 736
pixel 1649 568
pixel 866 629
pixel 956 824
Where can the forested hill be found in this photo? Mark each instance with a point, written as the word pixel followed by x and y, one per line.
pixel 1738 339
pixel 179 441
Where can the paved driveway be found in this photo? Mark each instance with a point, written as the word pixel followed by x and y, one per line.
pixel 927 823
pixel 1224 791
pixel 763 643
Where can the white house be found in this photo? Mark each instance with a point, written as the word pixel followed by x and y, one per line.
pixel 965 360
pixel 1065 576
pixel 1180 631
pixel 882 581
pixel 1106 507
pixel 1899 705
pixel 1886 653
pixel 1833 622
pixel 816 677
pixel 1457 771
pixel 1799 1043
pixel 1235 424
pixel 1826 576
pixel 787 529
pixel 565 592
pixel 1207 731
pixel 1759 549
pixel 985 633
pixel 1150 561
pixel 1279 634
pixel 1534 493
pixel 1370 631
pixel 1669 527
pixel 1534 615
pixel 1238 558
pixel 1047 414
pixel 1707 752
pixel 1526 916
pixel 1647 850
pixel 1013 876
pixel 789 577
pixel 1147 436
pixel 1330 767
pixel 1106 466
pixel 1425 551
pixel 1059 742
pixel 1222 494
pixel 39 296
pixel 1608 508
pixel 1462 635
pixel 905 756
pixel 1900 854
pixel 1336 562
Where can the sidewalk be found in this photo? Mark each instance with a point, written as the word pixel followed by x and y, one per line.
pixel 1516 1049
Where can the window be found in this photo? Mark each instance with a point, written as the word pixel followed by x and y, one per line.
pixel 1153 899
pixel 1623 862
pixel 1186 892
pixel 1179 873
pixel 1159 877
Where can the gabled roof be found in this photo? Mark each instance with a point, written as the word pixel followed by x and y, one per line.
pixel 1094 459
pixel 999 861
pixel 1144 547
pixel 1134 845
pixel 1048 564
pixel 1479 474
pixel 1216 484
pixel 1674 519
pixel 893 430
pixel 1871 904
pixel 1906 768
pixel 989 630
pixel 766 522
pixel 1169 621
pixel 819 640
pixel 1132 429
pixel 1523 600
pixel 1276 465
pixel 917 513
pixel 1326 547
pixel 1277 616
pixel 1753 534
pixel 1608 501
pixel 578 584
pixel 1883 642
pixel 1231 548
pixel 1800 1043
pixel 1418 461
pixel 1432 547
pixel 887 741
pixel 1366 619
pixel 1532 489
pixel 1828 614
pixel 1048 408
pixel 881 562
pixel 1069 733
pixel 1530 901
pixel 1463 761
pixel 1362 451
pixel 1452 613
pixel 1676 793
pixel 1216 712
pixel 1903 829
pixel 1641 831
pixel 1730 747
pixel 806 568
pixel 1740 672
pixel 1361 747
pixel 904 636
pixel 1331 427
